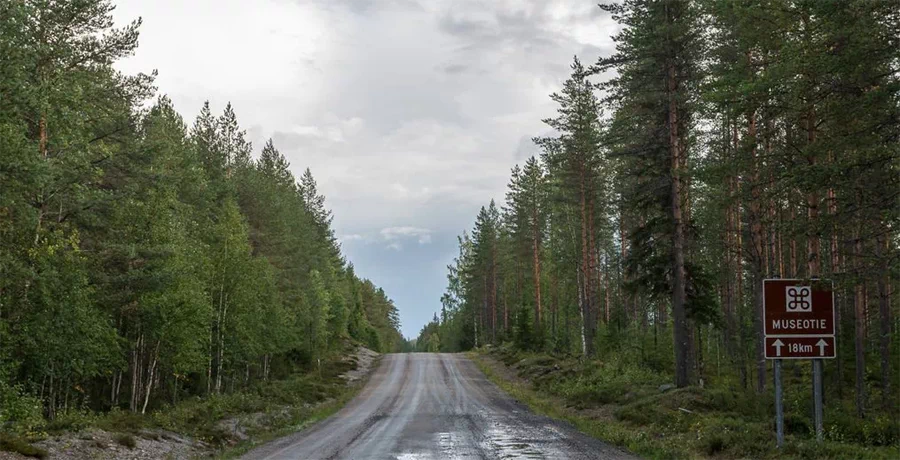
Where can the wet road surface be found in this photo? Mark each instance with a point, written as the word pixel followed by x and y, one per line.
pixel 429 406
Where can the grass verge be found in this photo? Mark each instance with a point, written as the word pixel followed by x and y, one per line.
pixel 298 421
pixel 627 409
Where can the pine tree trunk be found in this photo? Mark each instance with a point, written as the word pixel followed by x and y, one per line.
pixel 494 294
pixel 793 244
pixel 581 301
pixel 860 320
pixel 584 289
pixel 728 294
pixel 812 202
pixel 758 253
pixel 627 301
pixel 536 262
pixel 682 345
pixel 884 309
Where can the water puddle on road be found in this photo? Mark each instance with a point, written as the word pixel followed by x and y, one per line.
pixel 508 442
pixel 449 447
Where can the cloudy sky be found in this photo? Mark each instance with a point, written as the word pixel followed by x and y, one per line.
pixel 410 113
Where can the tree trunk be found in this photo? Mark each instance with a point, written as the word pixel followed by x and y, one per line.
pixel 152 375
pixel 812 202
pixel 584 346
pixel 682 347
pixel 860 320
pixel 884 309
pixel 536 262
pixel 494 293
pixel 730 272
pixel 793 244
pixel 758 253
pixel 584 290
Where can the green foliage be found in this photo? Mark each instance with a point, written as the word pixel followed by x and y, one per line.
pixel 19 413
pixel 143 263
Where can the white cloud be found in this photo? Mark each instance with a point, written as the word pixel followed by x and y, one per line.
pixel 394 233
pixel 352 237
pixel 410 113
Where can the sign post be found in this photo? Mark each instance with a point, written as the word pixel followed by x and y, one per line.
pixel 779 406
pixel 799 323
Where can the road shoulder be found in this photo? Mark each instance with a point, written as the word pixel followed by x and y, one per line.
pixel 598 424
pixel 365 362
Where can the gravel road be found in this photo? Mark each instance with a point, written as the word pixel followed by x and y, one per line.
pixel 426 406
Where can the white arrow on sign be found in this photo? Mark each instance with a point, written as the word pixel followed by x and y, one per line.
pixel 777 344
pixel 822 344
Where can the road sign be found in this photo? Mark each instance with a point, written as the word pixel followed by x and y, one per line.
pixel 800 347
pixel 798 308
pixel 798 320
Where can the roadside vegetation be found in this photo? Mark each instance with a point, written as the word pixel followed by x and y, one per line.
pixel 624 400
pixel 719 144
pixel 224 425
pixel 152 272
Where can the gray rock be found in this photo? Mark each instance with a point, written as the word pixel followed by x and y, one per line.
pixel 666 387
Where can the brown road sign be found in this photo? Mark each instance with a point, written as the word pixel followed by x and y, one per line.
pixel 800 347
pixel 798 308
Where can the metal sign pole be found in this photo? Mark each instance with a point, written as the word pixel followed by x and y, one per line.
pixel 779 406
pixel 817 398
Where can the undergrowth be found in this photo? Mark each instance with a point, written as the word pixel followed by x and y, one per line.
pixel 632 406
pixel 265 410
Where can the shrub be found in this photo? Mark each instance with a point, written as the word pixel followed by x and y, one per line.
pixel 73 420
pixel 125 439
pixel 17 445
pixel 19 413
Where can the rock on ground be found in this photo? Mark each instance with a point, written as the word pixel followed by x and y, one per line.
pixel 365 359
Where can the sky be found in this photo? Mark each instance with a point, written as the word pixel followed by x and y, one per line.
pixel 410 113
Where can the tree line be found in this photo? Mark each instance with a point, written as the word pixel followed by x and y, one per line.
pixel 723 142
pixel 143 261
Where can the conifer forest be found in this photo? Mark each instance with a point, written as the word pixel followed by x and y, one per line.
pixel 723 143
pixel 148 260
pixel 145 259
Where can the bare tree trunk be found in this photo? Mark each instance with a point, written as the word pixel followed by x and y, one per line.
pixel 758 253
pixel 627 299
pixel 681 337
pixel 51 404
pixel 152 375
pixel 584 289
pixel 536 263
pixel 494 293
pixel 505 313
pixel 113 391
pixel 730 272
pixel 884 309
pixel 860 321
pixel 794 273
pixel 220 355
pixel 136 367
pixel 581 301
pixel 812 202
